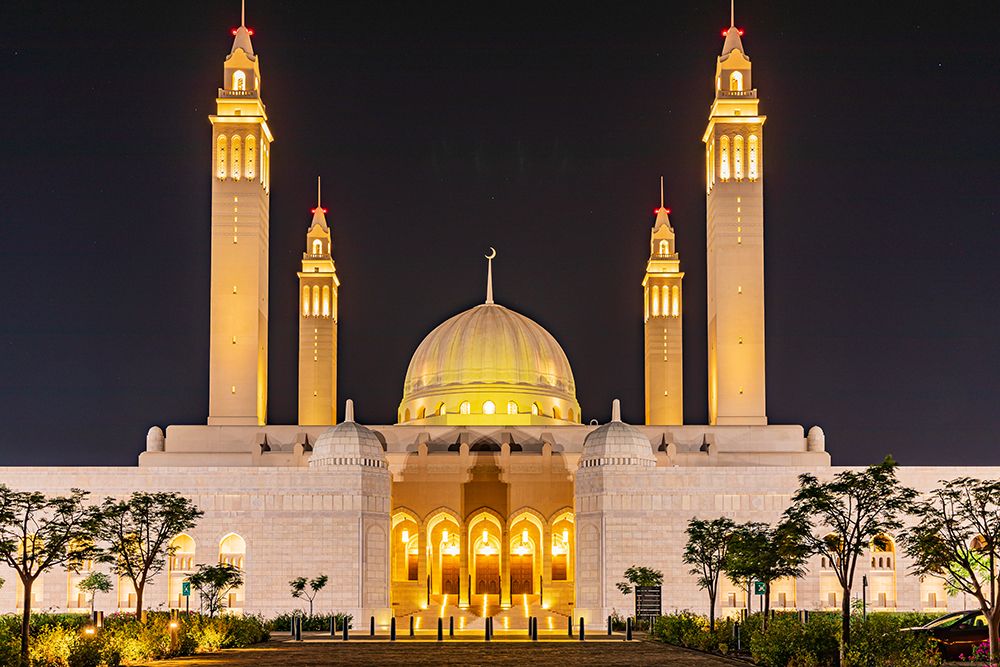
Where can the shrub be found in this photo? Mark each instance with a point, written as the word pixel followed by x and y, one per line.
pixel 878 642
pixel 788 641
pixel 691 630
pixel 316 623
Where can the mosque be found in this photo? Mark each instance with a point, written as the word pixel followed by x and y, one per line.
pixel 489 496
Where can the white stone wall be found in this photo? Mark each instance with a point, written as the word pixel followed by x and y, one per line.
pixel 295 521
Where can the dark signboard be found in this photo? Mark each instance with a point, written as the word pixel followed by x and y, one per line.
pixel 648 601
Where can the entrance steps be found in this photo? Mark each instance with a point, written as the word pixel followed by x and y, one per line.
pixel 474 617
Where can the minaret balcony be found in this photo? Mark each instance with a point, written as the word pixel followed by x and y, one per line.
pixel 735 94
pixel 237 93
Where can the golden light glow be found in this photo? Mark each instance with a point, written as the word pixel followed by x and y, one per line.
pixel 489 408
pixel 752 149
pixel 724 158
pixel 405 536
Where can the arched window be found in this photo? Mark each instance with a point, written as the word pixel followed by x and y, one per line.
pixel 465 408
pixel 664 247
pixel 441 410
pixel 534 408
pixel 556 414
pixel 232 550
pixel 239 80
pixel 752 150
pixel 315 307
pixel 421 413
pixel 251 156
pixel 326 301
pixel 645 304
pixel 572 415
pixel 317 247
pixel 406 415
pixel 220 156
pixel 305 300
pixel 334 305
pixel 738 157
pixel 736 81
pixel 723 158
pixel 236 158
pixel 711 165
pixel 675 300
pixel 489 408
pixel 656 300
pixel 511 407
pixel 665 303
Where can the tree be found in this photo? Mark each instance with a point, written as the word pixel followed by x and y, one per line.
pixel 316 584
pixel 138 531
pixel 852 512
pixel 758 552
pixel 214 582
pixel 956 538
pixel 708 542
pixel 38 533
pixel 96 582
pixel 639 576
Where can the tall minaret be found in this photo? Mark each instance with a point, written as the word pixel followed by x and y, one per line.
pixel 318 285
pixel 735 241
pixel 241 183
pixel 663 316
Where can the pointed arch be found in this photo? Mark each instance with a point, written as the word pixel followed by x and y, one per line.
pixel 664 247
pixel 315 300
pixel 239 80
pixel 236 159
pixel 655 300
pixel 738 157
pixel 723 158
pixel 326 301
pixel 753 149
pixel 736 81
pixel 221 145
pixel 305 300
pixel 512 407
pixel 250 146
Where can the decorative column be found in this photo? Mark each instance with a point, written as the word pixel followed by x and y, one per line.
pixel 465 586
pixel 505 567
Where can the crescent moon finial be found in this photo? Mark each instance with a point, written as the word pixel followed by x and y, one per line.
pixel 489 274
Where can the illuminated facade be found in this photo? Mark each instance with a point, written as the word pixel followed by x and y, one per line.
pixel 318 290
pixel 663 314
pixel 735 242
pixel 492 495
pixel 241 199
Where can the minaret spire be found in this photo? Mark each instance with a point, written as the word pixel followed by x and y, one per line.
pixel 732 13
pixel 489 274
pixel 319 192
pixel 243 14
pixel 661 192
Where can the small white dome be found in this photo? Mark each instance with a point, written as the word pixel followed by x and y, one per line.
pixel 155 442
pixel 616 443
pixel 816 440
pixel 348 443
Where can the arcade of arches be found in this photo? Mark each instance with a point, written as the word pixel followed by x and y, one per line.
pixel 482 558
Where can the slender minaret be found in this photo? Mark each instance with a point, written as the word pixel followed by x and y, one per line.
pixel 241 151
pixel 318 285
pixel 663 317
pixel 734 145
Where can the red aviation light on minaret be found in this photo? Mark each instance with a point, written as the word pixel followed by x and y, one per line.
pixel 725 31
pixel 661 208
pixel 313 210
pixel 250 31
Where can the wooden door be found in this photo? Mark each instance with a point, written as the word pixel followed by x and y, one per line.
pixel 449 575
pixel 522 574
pixel 487 574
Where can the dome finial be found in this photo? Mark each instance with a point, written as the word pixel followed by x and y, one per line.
pixel 616 410
pixel 349 411
pixel 489 274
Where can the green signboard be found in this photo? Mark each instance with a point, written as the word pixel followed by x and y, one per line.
pixel 186 589
pixel 759 588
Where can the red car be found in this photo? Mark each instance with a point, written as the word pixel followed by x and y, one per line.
pixel 957 633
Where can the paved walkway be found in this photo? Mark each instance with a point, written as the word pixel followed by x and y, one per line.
pixel 455 652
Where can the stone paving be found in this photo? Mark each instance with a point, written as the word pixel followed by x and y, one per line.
pixel 455 652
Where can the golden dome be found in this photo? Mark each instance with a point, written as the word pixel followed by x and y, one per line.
pixel 489 365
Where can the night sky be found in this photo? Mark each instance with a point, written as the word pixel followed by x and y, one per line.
pixel 541 129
